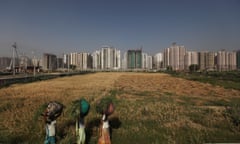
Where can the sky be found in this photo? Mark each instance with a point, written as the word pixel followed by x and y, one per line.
pixel 64 26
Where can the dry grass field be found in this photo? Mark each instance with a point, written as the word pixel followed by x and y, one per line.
pixel 150 108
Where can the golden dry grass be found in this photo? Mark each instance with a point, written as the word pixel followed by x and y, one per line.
pixel 23 100
pixel 166 83
pixel 142 97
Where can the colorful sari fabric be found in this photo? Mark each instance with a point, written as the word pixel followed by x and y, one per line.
pixel 104 136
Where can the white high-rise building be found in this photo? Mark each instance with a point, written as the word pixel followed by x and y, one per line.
pixel 174 57
pixel 149 62
pixel 73 58
pixel 166 57
pixel 191 58
pixel 226 60
pixel 210 61
pixel 124 61
pixel 232 61
pixel 110 58
pixel 222 60
pixel 84 61
pixel 238 59
pixel 117 64
pixel 202 60
pixel 66 60
pixel 144 60
pixel 96 60
pixel 81 60
pixel 158 61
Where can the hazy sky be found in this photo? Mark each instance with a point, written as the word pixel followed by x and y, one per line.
pixel 58 26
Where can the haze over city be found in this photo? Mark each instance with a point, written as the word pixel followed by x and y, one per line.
pixel 61 26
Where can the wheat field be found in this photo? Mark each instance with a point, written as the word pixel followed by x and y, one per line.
pixel 150 108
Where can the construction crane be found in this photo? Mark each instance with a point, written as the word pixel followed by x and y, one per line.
pixel 12 65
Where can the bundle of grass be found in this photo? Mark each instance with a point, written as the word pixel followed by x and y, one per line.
pixel 105 106
pixel 41 111
pixel 79 108
pixel 53 111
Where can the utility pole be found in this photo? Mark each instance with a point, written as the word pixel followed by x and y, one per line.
pixel 14 46
pixel 68 59
pixel 34 61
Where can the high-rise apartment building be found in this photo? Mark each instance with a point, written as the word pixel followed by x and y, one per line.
pixel 110 58
pixel 207 60
pixel 124 61
pixel 134 59
pixel 66 60
pixel 81 60
pixel 174 57
pixel 191 58
pixel 149 62
pixel 117 57
pixel 166 57
pixel 4 62
pixel 73 58
pixel 49 62
pixel 106 58
pixel 238 59
pixel 232 61
pixel 226 60
pixel 202 60
pixel 144 60
pixel 84 61
pixel 96 60
pixel 222 60
pixel 210 61
pixel 158 61
pixel 60 63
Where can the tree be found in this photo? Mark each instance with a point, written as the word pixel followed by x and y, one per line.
pixel 194 67
pixel 73 67
pixel 169 68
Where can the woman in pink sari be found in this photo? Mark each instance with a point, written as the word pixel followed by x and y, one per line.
pixel 104 131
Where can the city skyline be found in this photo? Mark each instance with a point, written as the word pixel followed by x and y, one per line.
pixel 76 26
pixel 176 58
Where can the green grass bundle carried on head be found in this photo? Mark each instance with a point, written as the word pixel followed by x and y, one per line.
pixel 80 108
pixel 105 106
